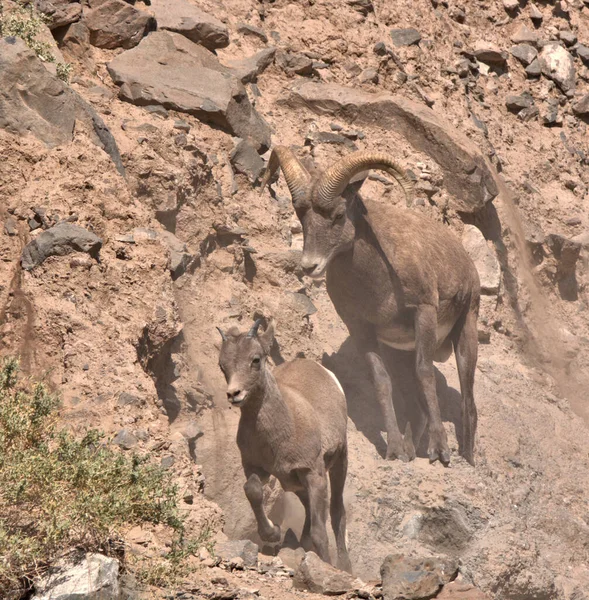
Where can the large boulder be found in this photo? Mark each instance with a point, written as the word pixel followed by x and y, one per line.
pixel 32 100
pixel 116 24
pixel 62 239
pixel 181 16
pixel 484 259
pixel 468 175
pixel 170 70
pixel 558 64
pixel 94 578
pixel 416 578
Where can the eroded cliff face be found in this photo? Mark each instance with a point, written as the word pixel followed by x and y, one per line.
pixel 487 108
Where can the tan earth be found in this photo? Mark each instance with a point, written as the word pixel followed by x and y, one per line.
pixel 519 521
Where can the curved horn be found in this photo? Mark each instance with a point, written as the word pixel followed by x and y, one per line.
pixel 253 332
pixel 297 177
pixel 223 336
pixel 334 181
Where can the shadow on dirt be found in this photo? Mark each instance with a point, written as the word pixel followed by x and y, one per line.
pixel 363 409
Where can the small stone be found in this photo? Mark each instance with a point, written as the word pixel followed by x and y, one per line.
pixel 126 399
pixel 236 563
pixel 535 13
pixel 510 5
pixel 581 108
pixel 246 550
pixel 247 29
pixel 10 226
pixel 517 103
pixel 457 14
pixel 582 52
pixel 552 118
pixel 460 590
pixel 296 63
pixel 405 37
pixel 368 76
pixel 524 53
pixel 525 35
pixel 380 49
pixel 315 138
pixel 557 64
pixel 489 54
pixel 125 439
pixel 182 126
pixel 568 37
pixel 245 159
pixel 529 113
pixel 534 69
pixel 167 461
pixel 159 111
pixel 318 577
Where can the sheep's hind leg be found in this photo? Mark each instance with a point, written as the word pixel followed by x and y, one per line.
pixel 466 350
pixel 254 491
pixel 337 477
pixel 315 483
pixel 426 319
pixel 306 542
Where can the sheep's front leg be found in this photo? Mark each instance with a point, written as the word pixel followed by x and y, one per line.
pixel 426 319
pixel 254 490
pixel 315 483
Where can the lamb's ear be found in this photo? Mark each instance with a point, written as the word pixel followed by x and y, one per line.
pixel 267 338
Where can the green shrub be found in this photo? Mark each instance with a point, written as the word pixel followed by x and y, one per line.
pixel 59 493
pixel 25 22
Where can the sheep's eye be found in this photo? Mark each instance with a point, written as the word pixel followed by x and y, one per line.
pixel 255 361
pixel 339 217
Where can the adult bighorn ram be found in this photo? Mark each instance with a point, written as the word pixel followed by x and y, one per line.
pixel 395 278
pixel 293 425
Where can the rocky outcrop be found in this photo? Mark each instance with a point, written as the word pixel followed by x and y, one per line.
pixel 116 24
pixel 468 176
pixel 170 70
pixel 183 17
pixel 95 577
pixel 62 239
pixel 32 100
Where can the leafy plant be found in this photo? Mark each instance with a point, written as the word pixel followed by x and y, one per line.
pixel 58 493
pixel 26 23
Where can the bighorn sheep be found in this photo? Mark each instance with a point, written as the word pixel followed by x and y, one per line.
pixel 293 425
pixel 395 278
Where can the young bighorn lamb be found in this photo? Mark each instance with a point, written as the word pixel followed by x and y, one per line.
pixel 293 425
pixel 395 278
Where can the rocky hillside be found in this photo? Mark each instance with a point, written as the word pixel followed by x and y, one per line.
pixel 132 140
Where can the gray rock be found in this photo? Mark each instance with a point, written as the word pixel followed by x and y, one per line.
pixel 524 53
pixel 167 462
pixel 247 69
pixel 535 13
pixel 557 64
pixel 318 577
pixel 362 6
pixel 525 35
pixel 534 69
pixel 95 578
pixel 247 29
pixel 170 70
pixel 65 14
pixel 126 399
pixel 327 137
pixel 405 37
pixel 244 549
pixel 582 52
pixel 125 439
pixel 517 103
pixel 116 24
pixel 468 176
pixel 552 117
pixel 301 303
pixel 181 125
pixel 32 100
pixel 368 76
pixel 415 578
pixel 568 37
pixel 179 256
pixel 489 54
pixel 60 240
pixel 294 63
pixel 185 18
pixel 247 161
pixel 581 107
pixel 484 259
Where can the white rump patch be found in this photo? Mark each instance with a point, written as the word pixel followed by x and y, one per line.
pixel 332 375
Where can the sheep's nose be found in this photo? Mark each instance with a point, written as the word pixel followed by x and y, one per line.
pixel 309 268
pixel 232 394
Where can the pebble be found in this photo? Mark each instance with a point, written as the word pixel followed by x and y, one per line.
pixel 405 37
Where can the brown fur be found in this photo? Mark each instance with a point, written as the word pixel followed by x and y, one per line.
pixel 293 425
pixel 398 278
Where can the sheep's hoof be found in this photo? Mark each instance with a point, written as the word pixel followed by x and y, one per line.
pixel 272 535
pixel 393 455
pixel 442 455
